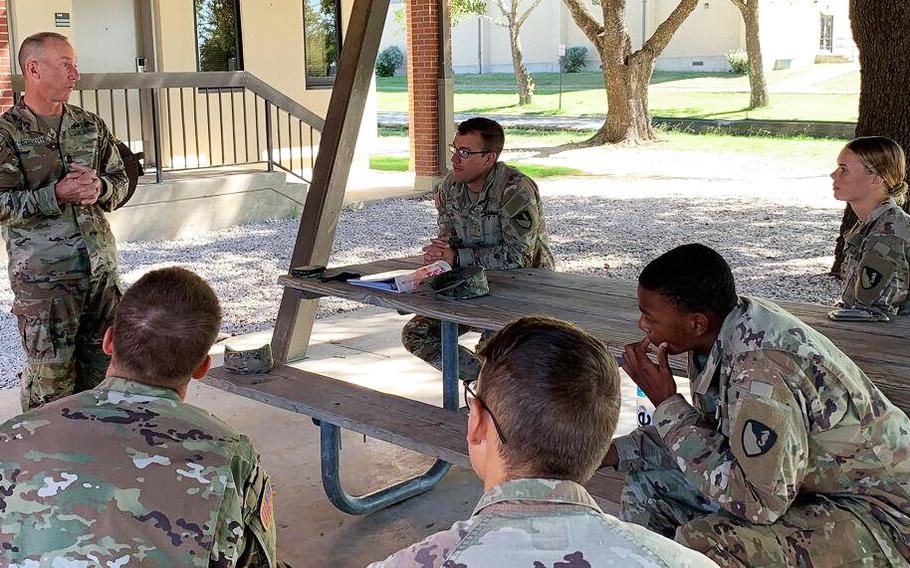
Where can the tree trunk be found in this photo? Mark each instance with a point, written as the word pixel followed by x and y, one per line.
pixel 879 29
pixel 522 77
pixel 628 119
pixel 757 85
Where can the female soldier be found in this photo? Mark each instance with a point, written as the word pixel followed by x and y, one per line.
pixel 870 177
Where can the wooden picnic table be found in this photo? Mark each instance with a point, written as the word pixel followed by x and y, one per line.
pixel 606 308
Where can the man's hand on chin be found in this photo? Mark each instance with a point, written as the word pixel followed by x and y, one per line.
pixel 656 380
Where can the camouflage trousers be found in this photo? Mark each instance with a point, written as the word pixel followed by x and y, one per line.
pixel 62 325
pixel 422 336
pixel 814 532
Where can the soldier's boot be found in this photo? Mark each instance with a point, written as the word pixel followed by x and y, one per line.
pixel 422 337
pixel 662 500
pixel 818 535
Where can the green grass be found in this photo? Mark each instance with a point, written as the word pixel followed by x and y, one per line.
pixel 771 147
pixel 729 106
pixel 536 171
pixel 672 94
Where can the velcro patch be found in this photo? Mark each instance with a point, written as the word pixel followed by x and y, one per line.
pixel 265 506
pixel 870 277
pixel 524 220
pixel 757 439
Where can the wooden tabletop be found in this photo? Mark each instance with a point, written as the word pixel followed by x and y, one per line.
pixel 608 309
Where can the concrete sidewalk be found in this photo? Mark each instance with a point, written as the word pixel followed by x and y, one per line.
pixel 362 347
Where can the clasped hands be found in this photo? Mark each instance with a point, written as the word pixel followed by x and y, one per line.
pixel 439 249
pixel 80 185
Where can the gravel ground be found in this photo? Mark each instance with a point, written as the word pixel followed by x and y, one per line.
pixel 776 233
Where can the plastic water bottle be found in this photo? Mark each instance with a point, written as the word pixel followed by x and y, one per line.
pixel 645 407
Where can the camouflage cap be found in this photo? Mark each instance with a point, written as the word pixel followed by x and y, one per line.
pixel 458 284
pixel 248 361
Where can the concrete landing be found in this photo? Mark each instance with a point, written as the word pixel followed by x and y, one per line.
pixel 362 347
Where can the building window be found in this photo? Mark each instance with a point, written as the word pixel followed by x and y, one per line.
pixel 322 41
pixel 826 37
pixel 218 35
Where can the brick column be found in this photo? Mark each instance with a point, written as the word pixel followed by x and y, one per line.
pixel 423 75
pixel 6 85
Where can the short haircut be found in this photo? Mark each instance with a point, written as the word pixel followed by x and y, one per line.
pixel 694 277
pixel 494 139
pixel 32 45
pixel 164 327
pixel 554 391
pixel 885 158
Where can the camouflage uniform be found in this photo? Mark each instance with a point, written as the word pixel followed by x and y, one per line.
pixel 876 267
pixel 127 474
pixel 543 523
pixel 62 257
pixel 503 228
pixel 790 456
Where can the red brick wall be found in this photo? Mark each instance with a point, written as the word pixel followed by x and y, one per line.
pixel 423 72
pixel 6 87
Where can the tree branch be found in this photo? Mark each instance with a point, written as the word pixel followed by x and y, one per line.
pixel 664 32
pixel 527 13
pixel 592 29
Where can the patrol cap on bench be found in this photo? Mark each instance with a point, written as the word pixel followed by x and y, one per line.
pixel 458 284
pixel 248 361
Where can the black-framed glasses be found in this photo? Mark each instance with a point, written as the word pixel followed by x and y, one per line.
pixel 470 393
pixel 464 153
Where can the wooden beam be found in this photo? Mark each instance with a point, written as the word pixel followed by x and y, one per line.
pixel 330 173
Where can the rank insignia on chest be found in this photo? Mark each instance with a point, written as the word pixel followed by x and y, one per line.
pixel 870 277
pixel 758 439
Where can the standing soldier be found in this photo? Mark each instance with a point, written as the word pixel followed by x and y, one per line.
pixel 490 215
pixel 59 172
pixel 788 455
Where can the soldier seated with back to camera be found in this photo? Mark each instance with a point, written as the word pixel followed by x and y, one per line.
pixel 788 454
pixel 127 473
pixel 541 415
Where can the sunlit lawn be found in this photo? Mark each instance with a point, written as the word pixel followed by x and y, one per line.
pixel 766 147
pixel 536 171
pixel 692 95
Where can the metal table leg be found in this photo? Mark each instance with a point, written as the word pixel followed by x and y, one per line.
pixel 450 365
pixel 330 443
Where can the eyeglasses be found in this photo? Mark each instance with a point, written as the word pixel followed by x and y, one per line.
pixel 464 153
pixel 469 394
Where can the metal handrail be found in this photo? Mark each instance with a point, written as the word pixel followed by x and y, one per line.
pixel 152 92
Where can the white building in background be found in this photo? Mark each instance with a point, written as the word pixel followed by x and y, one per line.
pixel 793 32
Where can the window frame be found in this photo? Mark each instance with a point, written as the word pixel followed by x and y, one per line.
pixel 312 82
pixel 238 41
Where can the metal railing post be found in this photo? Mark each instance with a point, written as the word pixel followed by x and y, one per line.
pixel 156 134
pixel 268 133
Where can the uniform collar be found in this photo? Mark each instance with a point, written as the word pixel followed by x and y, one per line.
pixel 701 381
pixel 30 120
pixel 487 184
pixel 539 490
pixel 128 386
pixel 880 210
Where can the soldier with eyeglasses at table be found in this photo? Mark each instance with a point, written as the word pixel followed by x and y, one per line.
pixel 490 215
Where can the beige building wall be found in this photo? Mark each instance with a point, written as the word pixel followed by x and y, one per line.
pixel 789 33
pixel 273 50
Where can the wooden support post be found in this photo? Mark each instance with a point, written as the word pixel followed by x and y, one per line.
pixel 330 173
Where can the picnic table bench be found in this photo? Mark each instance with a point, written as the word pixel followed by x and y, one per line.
pixel 606 308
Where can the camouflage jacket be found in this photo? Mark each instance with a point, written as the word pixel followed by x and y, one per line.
pixel 503 229
pixel 779 411
pixel 545 523
pixel 46 240
pixel 127 474
pixel 876 267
